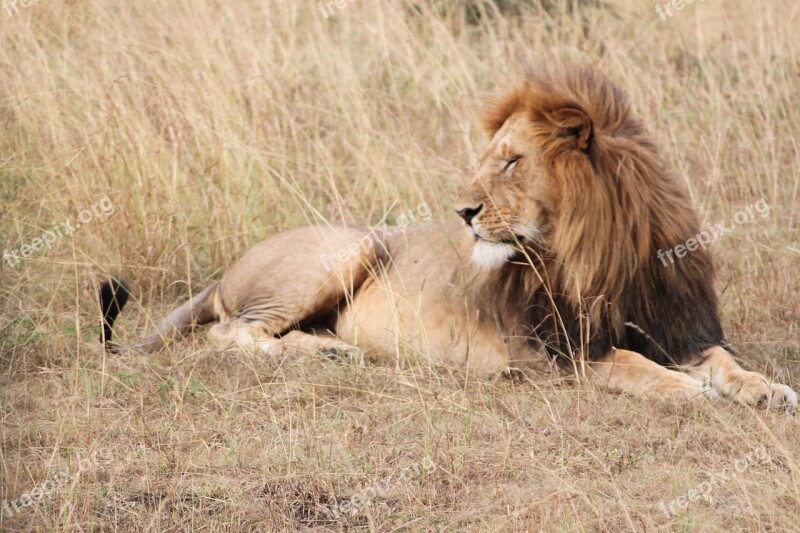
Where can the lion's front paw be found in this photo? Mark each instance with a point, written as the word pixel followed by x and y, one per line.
pixel 783 397
pixel 753 389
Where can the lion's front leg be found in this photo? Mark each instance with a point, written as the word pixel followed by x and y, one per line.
pixel 718 368
pixel 633 373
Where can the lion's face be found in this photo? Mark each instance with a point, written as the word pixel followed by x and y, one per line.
pixel 510 201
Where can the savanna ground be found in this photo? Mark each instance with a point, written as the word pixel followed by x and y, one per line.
pixel 209 125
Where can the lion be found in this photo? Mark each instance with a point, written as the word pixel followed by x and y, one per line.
pixel 554 260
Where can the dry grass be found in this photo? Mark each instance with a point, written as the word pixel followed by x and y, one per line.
pixel 212 124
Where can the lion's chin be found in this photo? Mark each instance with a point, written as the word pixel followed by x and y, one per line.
pixel 491 255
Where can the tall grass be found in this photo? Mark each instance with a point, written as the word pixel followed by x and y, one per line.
pixel 212 124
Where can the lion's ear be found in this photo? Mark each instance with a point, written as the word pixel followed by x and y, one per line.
pixel 574 123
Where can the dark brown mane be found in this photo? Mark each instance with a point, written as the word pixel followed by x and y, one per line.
pixel 619 204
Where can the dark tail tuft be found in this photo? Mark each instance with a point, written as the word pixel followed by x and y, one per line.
pixel 113 296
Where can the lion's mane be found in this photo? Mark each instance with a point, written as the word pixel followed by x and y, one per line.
pixel 598 283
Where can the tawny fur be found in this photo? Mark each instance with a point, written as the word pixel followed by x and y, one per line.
pixel 575 194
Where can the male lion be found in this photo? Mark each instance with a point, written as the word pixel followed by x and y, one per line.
pixel 558 260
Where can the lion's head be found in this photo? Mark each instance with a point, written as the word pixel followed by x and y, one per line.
pixel 509 199
pixel 570 174
pixel 568 208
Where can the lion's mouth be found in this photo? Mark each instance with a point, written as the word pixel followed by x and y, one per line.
pixel 510 241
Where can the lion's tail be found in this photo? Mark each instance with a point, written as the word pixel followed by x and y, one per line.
pixel 114 295
pixel 200 309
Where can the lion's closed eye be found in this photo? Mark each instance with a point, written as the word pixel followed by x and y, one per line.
pixel 511 163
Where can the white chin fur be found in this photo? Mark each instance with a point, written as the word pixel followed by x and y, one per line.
pixel 491 255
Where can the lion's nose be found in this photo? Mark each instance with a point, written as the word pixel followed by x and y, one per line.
pixel 468 213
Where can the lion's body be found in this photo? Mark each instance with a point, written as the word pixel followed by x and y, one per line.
pixel 566 216
pixel 422 302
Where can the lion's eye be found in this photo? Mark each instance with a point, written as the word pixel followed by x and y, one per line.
pixel 511 162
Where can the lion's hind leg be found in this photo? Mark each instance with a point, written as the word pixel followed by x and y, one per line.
pixel 326 343
pixel 295 279
pixel 252 337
